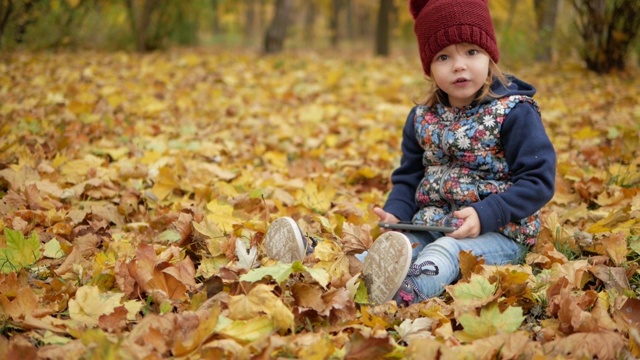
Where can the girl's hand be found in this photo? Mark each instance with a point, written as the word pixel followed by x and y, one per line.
pixel 470 228
pixel 385 216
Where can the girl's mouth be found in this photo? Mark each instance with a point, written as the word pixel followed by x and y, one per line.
pixel 460 80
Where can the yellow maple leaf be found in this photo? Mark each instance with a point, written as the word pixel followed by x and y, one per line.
pixel 332 259
pixel 187 344
pixel 261 300
pixel 490 322
pixel 221 214
pixel 89 304
pixel 246 331
pixel 165 183
pixel 315 199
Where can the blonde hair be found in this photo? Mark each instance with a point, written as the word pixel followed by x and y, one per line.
pixel 436 96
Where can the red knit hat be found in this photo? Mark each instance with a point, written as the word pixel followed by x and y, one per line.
pixel 440 23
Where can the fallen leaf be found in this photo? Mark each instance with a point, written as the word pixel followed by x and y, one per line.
pixel 19 251
pixel 89 304
pixel 475 293
pixel 490 322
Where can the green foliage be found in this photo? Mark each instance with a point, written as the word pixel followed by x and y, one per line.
pixel 490 322
pixel 20 251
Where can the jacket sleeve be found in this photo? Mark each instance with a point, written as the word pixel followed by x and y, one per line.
pixel 532 164
pixel 406 178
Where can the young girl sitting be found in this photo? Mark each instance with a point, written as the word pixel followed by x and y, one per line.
pixel 475 156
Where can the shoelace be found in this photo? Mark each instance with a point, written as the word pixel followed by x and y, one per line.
pixel 417 270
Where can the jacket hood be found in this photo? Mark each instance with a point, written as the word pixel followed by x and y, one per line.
pixel 515 87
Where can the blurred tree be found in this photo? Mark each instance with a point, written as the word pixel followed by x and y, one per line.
pixel 364 18
pixel 350 20
pixel 310 17
pixel 153 21
pixel 68 19
pixel 249 19
pixel 277 31
pixel 383 27
pixel 26 16
pixel 546 12
pixel 6 7
pixel 334 21
pixel 140 18
pixel 607 28
pixel 215 19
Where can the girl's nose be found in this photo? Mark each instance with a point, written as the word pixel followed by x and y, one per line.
pixel 459 63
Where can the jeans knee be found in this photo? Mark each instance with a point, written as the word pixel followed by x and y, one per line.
pixel 445 246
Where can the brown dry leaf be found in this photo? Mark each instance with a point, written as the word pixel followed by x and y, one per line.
pixel 206 326
pixel 576 272
pixel 115 321
pixel 361 347
pixel 19 347
pixel 161 277
pixel 83 248
pixel 630 310
pixel 356 239
pixel 24 303
pixel 603 345
pixel 309 297
pixel 572 309
pixel 339 304
pixel 614 278
pixel 470 264
pixel 153 334
pixel 616 247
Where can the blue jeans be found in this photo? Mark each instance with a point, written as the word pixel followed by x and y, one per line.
pixel 441 250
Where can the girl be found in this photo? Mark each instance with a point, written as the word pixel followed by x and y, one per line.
pixel 475 156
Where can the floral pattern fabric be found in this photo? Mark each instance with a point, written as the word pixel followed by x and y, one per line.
pixel 464 162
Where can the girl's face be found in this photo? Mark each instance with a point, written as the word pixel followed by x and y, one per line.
pixel 460 70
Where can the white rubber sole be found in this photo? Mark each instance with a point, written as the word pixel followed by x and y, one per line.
pixel 386 266
pixel 284 241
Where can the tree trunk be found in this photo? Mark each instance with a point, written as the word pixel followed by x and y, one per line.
pixel 215 21
pixel 383 27
pixel 277 31
pixel 24 22
pixel 310 21
pixel 249 20
pixel 350 21
pixel 364 20
pixel 546 12
pixel 140 23
pixel 607 28
pixel 6 7
pixel 334 22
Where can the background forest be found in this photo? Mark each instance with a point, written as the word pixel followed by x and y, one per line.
pixel 527 30
pixel 146 146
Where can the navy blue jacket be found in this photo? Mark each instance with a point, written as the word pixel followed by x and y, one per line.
pixel 528 152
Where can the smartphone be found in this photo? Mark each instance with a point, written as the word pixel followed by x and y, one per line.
pixel 416 227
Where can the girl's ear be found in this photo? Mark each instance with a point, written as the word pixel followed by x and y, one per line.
pixel 415 6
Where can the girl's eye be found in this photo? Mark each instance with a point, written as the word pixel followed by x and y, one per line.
pixel 472 52
pixel 442 58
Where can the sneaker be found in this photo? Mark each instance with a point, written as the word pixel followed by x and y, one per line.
pixel 386 266
pixel 284 241
pixel 408 293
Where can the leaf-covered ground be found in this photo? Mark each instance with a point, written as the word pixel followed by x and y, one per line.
pixel 136 191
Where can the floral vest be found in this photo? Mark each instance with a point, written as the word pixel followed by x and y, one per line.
pixel 465 163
